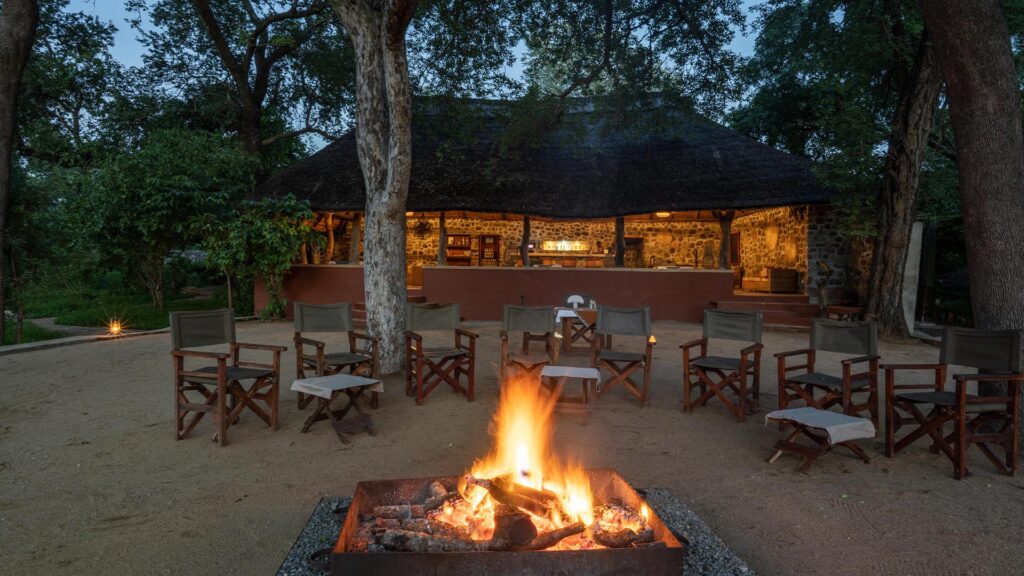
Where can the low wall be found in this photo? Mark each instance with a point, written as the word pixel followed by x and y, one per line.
pixel 673 294
pixel 315 284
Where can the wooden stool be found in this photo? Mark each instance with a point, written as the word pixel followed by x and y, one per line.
pixel 554 378
pixel 825 428
pixel 326 389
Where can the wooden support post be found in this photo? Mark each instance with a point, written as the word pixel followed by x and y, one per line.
pixel 442 241
pixel 620 242
pixel 725 218
pixel 329 223
pixel 353 251
pixel 524 246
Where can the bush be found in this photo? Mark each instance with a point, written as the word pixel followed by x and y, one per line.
pixel 136 313
pixel 29 333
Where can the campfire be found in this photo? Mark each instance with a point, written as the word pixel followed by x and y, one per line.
pixel 520 501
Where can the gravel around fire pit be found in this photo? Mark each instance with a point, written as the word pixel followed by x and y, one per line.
pixel 707 554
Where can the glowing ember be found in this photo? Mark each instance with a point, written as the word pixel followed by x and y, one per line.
pixel 521 454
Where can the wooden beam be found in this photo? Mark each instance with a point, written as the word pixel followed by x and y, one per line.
pixel 524 245
pixel 442 241
pixel 620 242
pixel 353 251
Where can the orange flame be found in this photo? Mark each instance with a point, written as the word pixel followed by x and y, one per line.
pixel 522 429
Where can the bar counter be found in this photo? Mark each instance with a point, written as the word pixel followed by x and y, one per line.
pixel 482 291
pixel 673 294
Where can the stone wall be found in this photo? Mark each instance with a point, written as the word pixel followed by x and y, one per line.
pixel 665 242
pixel 773 238
pixel 850 260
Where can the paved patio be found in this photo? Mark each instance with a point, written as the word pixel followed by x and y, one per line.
pixel 92 480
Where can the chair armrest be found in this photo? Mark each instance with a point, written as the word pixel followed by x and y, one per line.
pixel 200 354
pixel 793 353
pixel 1009 376
pixel 309 341
pixel 890 377
pixel 410 335
pixel 363 336
pixel 266 347
pixel 755 347
pixel 467 333
pixel 503 335
pixel 860 359
pixel 693 343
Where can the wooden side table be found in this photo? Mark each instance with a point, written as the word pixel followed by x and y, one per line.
pixel 554 379
pixel 326 389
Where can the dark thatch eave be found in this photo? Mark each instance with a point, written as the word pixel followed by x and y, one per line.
pixel 592 164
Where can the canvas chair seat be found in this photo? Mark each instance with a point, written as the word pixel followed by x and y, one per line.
pixel 235 383
pixel 428 367
pixel 949 399
pixel 828 381
pixel 620 356
pixel 716 363
pixel 988 421
pixel 237 372
pixel 530 358
pixel 315 355
pixel 346 358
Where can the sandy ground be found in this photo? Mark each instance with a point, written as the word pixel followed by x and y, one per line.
pixel 92 480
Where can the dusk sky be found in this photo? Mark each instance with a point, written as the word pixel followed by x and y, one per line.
pixel 128 50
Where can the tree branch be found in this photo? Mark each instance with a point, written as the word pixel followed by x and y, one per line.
pixel 236 70
pixel 606 57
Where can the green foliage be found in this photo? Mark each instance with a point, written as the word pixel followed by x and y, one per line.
pixel 261 239
pixel 163 196
pixel 135 312
pixel 29 333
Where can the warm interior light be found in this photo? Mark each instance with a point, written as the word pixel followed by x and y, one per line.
pixel 662 214
pixel 114 327
pixel 652 339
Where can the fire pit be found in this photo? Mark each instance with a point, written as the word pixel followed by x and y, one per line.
pixel 519 510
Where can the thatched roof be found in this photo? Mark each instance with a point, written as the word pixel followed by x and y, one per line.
pixel 488 157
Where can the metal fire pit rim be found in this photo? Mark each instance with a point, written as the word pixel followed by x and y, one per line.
pixel 655 560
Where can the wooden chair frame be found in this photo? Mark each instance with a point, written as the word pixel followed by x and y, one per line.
pixel 424 374
pixel 736 380
pixel 622 370
pixel 811 453
pixel 981 429
pixel 216 401
pixel 533 371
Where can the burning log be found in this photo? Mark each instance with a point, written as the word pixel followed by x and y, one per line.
pixel 512 528
pixel 620 538
pixel 552 537
pixel 399 512
pixel 438 496
pixel 437 489
pixel 406 541
pixel 539 502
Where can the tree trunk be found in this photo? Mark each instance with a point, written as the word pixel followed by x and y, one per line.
pixel 227 277
pixel 972 47
pixel 524 245
pixel 357 230
pixel 18 21
pixel 442 241
pixel 898 199
pixel 725 218
pixel 384 144
pixel 620 242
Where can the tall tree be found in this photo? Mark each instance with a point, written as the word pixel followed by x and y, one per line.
pixel 283 63
pixel 972 47
pixel 377 29
pixel 18 21
pixel 912 124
